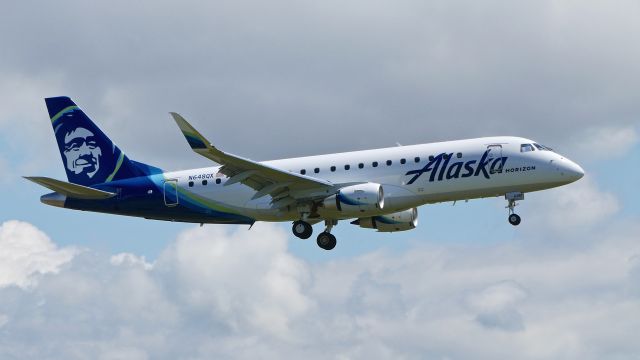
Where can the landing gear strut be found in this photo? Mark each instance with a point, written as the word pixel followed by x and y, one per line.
pixel 302 229
pixel 326 240
pixel 514 219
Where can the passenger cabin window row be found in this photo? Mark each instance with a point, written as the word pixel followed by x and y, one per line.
pixel 375 164
pixel 204 182
pixel 403 161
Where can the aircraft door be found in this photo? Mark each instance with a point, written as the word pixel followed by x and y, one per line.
pixel 495 152
pixel 171 192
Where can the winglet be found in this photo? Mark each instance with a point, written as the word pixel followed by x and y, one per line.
pixel 194 138
pixel 71 190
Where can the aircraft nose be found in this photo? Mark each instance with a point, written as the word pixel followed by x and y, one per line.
pixel 571 170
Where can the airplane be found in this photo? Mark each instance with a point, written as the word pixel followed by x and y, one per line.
pixel 378 189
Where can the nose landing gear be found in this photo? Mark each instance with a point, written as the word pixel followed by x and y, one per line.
pixel 512 197
pixel 514 219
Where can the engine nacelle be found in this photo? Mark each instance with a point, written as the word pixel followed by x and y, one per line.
pixel 399 221
pixel 354 200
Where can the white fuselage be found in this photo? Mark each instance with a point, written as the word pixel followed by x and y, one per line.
pixel 434 179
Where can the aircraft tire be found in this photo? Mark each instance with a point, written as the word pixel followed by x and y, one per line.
pixel 326 241
pixel 514 219
pixel 302 229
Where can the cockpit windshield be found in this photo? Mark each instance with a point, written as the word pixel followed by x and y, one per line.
pixel 526 148
pixel 542 147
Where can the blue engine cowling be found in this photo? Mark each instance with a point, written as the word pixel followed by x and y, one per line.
pixel 398 221
pixel 354 201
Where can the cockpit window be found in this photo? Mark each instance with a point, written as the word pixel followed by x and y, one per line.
pixel 542 147
pixel 526 148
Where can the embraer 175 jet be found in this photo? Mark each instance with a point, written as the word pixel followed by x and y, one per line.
pixel 380 189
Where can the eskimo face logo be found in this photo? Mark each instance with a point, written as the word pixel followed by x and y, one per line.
pixel 82 153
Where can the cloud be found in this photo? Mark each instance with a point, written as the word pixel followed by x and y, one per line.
pixel 496 305
pixel 539 69
pixel 222 293
pixel 258 287
pixel 577 208
pixel 604 142
pixel 26 252
pixel 126 259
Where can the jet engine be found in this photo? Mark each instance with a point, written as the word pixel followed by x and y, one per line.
pixel 398 221
pixel 354 200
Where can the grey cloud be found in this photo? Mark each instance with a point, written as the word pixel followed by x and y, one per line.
pixel 508 319
pixel 496 306
pixel 325 77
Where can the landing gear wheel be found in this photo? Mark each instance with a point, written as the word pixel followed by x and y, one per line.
pixel 302 229
pixel 326 241
pixel 514 219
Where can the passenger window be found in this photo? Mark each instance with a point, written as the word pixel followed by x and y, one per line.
pixel 316 170
pixel 417 159
pixel 190 183
pixel 347 167
pixel 360 166
pixel 403 161
pixel 204 182
pixel 374 164
pixel 333 168
pixel 303 171
pixel 526 148
pixel 218 181
pixel 459 155
pixel 389 162
pixel 430 157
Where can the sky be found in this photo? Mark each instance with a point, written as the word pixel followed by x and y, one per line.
pixel 277 79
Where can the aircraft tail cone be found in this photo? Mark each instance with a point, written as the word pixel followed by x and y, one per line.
pixel 53 199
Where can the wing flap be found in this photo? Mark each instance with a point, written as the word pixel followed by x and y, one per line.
pixel 71 190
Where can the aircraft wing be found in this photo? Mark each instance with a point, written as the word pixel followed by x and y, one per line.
pixel 285 187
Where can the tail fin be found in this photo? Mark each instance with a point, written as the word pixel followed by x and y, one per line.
pixel 88 155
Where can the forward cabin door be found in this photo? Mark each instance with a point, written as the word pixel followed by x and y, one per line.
pixel 171 192
pixel 495 152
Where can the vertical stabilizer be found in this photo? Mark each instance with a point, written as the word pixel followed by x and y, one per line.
pixel 88 155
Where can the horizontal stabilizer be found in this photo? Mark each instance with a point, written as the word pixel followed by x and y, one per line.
pixel 71 190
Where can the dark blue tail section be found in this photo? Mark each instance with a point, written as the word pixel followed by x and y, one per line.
pixel 88 155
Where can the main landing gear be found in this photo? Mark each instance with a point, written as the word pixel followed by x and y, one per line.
pixel 514 219
pixel 302 229
pixel 326 240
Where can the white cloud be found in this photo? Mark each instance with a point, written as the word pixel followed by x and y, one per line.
pixel 222 293
pixel 604 142
pixel 578 207
pixel 25 252
pixel 259 287
pixel 126 259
